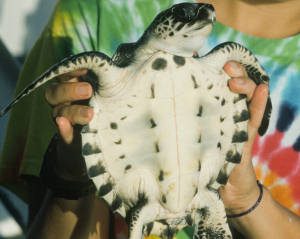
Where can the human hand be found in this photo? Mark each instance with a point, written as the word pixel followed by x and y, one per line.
pixel 241 190
pixel 62 96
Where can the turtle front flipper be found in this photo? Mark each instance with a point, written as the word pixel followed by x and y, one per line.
pixel 99 65
pixel 231 51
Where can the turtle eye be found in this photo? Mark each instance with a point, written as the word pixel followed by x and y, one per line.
pixel 187 12
pixel 184 12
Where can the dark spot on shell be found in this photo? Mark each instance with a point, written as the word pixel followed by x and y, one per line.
pixel 204 212
pixel 86 129
pixel 89 149
pixel 124 117
pixel 152 91
pixel 128 167
pixel 116 203
pixel 200 111
pixel 223 102
pixel 149 228
pixel 200 139
pixel 163 221
pixel 217 97
pixel 96 170
pixel 185 36
pixel 222 177
pixel 195 82
pixel 118 142
pixel 105 189
pixel 159 64
pixel 179 60
pixel 239 137
pixel 238 98
pixel 164 199
pixel 222 119
pixel 221 132
pixel 210 86
pixel 161 175
pixel 156 147
pixel 171 34
pixel 122 156
pixel 130 106
pixel 189 220
pixel 113 125
pixel 152 122
pixel 243 116
pixel 219 145
pixel 199 166
pixel 233 157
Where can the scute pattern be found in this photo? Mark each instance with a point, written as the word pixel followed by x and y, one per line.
pixel 166 131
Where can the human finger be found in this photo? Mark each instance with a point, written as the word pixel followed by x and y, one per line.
pixel 75 114
pixel 242 85
pixel 235 69
pixel 257 108
pixel 65 129
pixel 67 92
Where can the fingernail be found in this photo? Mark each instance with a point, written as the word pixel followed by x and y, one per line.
pixel 58 120
pixel 82 90
pixel 236 68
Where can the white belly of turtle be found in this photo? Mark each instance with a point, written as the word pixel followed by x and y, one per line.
pixel 165 136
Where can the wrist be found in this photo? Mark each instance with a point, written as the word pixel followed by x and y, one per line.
pixel 248 207
pixel 237 200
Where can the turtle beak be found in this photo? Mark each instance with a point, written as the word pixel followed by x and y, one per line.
pixel 207 9
pixel 212 17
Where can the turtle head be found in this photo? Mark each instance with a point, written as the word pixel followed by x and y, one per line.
pixel 181 29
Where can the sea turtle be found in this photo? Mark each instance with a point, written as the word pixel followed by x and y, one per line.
pixel 166 130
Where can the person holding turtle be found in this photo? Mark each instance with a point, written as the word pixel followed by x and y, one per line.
pixel 273 36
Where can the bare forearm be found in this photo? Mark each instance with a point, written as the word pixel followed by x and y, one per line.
pixel 268 220
pixel 84 218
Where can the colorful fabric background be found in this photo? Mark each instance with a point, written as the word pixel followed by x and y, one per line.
pixel 277 154
pixel 78 26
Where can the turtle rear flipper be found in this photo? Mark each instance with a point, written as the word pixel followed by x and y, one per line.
pixel 210 218
pixel 98 64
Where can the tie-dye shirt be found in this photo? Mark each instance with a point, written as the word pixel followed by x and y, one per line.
pixel 78 26
pixel 277 154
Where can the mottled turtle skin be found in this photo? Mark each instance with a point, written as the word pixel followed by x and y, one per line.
pixel 166 131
